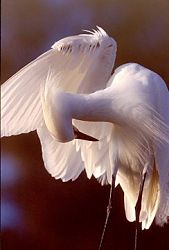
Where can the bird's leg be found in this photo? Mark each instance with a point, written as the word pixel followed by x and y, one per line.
pixel 138 209
pixel 109 207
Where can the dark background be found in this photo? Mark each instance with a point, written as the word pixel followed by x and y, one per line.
pixel 37 211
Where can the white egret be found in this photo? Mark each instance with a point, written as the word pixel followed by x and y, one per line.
pixel 70 88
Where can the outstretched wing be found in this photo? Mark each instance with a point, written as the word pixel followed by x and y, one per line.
pixel 20 98
pixel 84 62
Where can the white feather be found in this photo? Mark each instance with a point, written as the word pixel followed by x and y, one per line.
pixel 21 110
pixel 130 118
pixel 60 160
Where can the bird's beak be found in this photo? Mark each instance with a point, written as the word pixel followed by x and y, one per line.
pixel 82 136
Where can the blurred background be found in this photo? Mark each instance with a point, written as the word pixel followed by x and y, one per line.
pixel 38 212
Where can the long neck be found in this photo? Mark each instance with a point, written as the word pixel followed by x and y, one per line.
pixel 97 106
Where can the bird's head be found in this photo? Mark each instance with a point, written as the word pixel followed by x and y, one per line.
pixel 57 113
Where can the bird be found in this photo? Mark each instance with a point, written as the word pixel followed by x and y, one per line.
pixel 90 119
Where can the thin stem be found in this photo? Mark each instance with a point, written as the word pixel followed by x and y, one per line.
pixel 136 237
pixel 109 207
pixel 138 209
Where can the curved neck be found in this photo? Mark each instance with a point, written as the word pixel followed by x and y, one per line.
pixel 97 106
pixel 61 107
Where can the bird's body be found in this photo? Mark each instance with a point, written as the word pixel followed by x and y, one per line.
pixel 129 117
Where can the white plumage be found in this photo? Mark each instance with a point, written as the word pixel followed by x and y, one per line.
pixel 130 117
